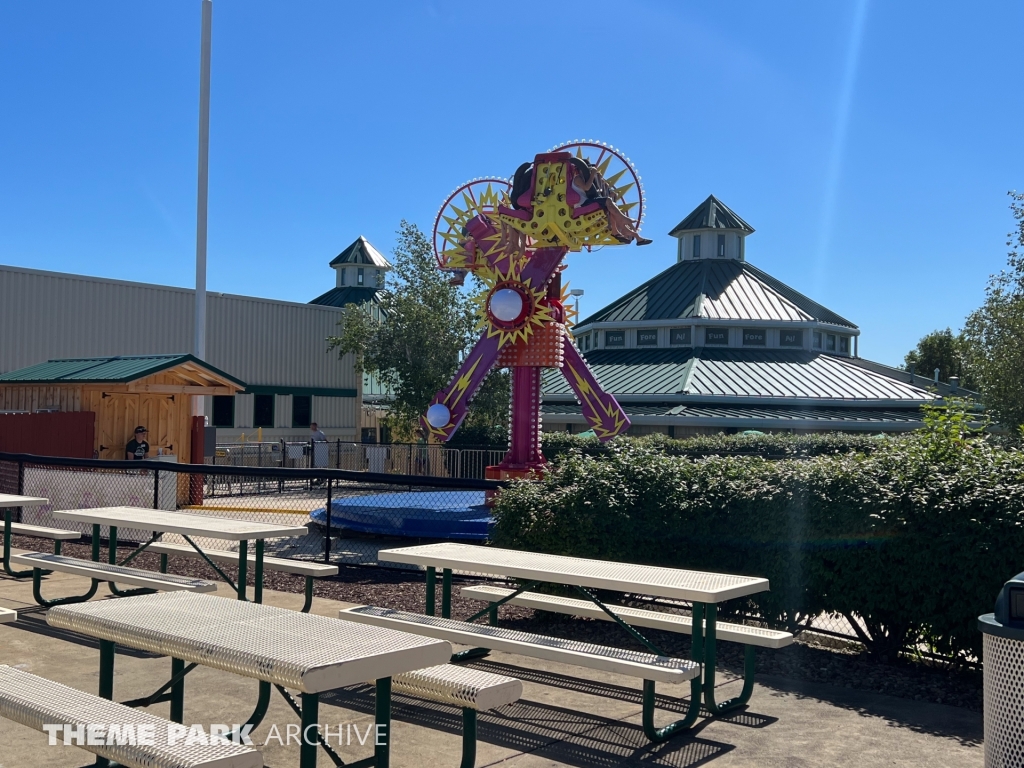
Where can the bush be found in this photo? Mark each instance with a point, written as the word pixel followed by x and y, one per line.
pixel 557 443
pixel 910 541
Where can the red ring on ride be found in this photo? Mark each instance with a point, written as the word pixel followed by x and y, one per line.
pixel 527 310
pixel 601 150
pixel 438 220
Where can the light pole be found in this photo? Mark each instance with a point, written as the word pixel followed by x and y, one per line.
pixel 577 292
pixel 202 190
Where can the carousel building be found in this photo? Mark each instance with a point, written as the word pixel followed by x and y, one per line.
pixel 714 344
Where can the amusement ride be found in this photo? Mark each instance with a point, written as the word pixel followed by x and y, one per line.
pixel 514 237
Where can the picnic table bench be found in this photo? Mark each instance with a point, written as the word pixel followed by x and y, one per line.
pixel 9 502
pixel 37 702
pixel 703 590
pixel 157 522
pixel 288 650
pixel 305 568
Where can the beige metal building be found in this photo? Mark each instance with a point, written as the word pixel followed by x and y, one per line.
pixel 277 348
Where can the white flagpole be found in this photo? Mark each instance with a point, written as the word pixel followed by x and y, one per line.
pixel 203 189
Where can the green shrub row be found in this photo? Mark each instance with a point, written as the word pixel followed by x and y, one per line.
pixel 557 443
pixel 913 538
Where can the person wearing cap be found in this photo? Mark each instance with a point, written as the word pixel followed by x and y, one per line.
pixel 137 448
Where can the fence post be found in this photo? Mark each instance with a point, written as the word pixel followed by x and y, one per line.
pixel 327 536
pixel 21 478
pixel 156 489
pixel 337 455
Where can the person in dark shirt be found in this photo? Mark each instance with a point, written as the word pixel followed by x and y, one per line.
pixel 137 448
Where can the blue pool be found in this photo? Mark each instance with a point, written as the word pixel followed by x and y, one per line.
pixel 414 514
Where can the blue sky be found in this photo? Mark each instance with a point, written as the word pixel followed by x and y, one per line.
pixel 870 144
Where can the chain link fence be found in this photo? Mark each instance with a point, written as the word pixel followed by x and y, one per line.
pixel 368 511
pixel 385 458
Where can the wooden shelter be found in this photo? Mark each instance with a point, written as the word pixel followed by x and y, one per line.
pixel 124 392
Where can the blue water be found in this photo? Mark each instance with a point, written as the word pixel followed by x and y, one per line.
pixel 415 514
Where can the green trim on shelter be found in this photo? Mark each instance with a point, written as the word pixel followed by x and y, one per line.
pixel 105 370
pixel 261 389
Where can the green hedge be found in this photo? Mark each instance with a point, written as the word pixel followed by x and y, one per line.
pixel 915 537
pixel 557 443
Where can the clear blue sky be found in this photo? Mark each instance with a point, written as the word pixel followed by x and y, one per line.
pixel 870 144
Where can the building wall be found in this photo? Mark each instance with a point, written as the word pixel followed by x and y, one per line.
pixel 49 315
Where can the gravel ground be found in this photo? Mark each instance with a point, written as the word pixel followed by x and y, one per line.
pixel 814 658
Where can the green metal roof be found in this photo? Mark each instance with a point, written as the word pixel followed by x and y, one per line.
pixel 112 370
pixel 715 289
pixel 712 214
pixel 361 252
pixel 352 294
pixel 824 417
pixel 710 372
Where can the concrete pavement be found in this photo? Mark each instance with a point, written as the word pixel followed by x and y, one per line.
pixel 567 716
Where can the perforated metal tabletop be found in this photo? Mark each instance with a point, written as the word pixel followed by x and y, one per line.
pixel 297 650
pixel 598 574
pixel 143 519
pixel 8 500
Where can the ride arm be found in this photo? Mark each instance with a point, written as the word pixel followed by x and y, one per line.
pixel 602 411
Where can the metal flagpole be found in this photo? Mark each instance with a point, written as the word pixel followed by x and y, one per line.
pixel 203 189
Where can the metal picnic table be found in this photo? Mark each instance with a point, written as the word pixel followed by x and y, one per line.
pixel 280 647
pixel 8 503
pixel 704 590
pixel 159 522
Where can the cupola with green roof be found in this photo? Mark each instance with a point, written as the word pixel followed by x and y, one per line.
pixel 711 231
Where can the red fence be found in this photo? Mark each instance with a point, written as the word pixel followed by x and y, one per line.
pixel 70 434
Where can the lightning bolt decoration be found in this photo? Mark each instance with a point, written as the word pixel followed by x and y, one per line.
pixel 601 410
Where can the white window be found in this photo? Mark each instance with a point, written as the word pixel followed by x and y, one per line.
pixel 721 246
pixel 342 270
pixel 696 246
pixel 359 276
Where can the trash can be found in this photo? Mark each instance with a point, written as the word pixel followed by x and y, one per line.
pixel 1003 661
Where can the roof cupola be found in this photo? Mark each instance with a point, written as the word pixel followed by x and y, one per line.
pixel 711 231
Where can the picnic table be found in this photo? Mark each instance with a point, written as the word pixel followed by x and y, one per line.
pixel 279 647
pixel 8 503
pixel 159 522
pixel 703 590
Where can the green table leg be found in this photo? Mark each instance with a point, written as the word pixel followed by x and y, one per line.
pixel 308 734
pixel 107 652
pixel 710 659
pixel 308 604
pixel 431 589
pixel 382 736
pixel 649 699
pixel 106 686
pixel 446 593
pixel 257 590
pixel 178 692
pixel 7 547
pixel 468 738
pixel 243 564
pixel 112 560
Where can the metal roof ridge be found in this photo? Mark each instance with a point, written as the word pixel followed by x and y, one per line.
pixel 698 302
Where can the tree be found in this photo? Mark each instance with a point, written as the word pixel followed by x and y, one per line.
pixel 943 350
pixel 994 332
pixel 428 325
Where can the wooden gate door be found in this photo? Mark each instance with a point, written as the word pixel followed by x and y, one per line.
pixel 159 414
pixel 119 415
